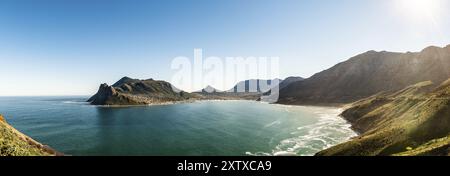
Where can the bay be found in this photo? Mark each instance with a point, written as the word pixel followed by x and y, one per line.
pixel 205 128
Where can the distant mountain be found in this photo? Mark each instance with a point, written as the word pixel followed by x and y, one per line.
pixel 129 91
pixel 208 89
pixel 412 121
pixel 211 93
pixel 255 86
pixel 367 74
pixel 272 95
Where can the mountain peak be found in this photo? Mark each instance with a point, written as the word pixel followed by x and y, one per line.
pixel 209 89
pixel 371 52
pixel 124 80
pixel 366 74
pixel 431 49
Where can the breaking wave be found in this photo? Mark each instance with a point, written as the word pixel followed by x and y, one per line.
pixel 329 130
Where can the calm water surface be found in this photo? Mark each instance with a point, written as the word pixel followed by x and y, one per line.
pixel 74 127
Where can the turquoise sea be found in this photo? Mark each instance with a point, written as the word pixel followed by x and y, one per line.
pixel 222 128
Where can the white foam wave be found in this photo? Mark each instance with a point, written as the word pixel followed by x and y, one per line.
pixel 75 102
pixel 330 130
pixel 277 122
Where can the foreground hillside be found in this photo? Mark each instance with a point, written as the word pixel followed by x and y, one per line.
pixel 412 121
pixel 14 143
pixel 367 74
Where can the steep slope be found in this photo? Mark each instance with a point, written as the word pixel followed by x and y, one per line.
pixel 412 121
pixel 367 74
pixel 435 147
pixel 255 86
pixel 290 80
pixel 14 143
pixel 129 91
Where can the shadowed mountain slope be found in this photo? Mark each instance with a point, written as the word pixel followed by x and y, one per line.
pixel 367 74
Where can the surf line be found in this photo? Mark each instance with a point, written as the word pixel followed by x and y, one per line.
pixel 188 166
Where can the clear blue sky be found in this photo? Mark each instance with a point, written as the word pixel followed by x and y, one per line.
pixel 69 47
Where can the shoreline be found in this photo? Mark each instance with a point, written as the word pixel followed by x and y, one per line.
pixel 340 107
pixel 169 103
pixel 334 105
pixel 338 111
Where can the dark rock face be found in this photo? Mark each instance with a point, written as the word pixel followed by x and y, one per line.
pixel 104 93
pixel 367 74
pixel 129 91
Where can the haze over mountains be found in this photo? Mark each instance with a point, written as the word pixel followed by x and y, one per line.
pixel 367 74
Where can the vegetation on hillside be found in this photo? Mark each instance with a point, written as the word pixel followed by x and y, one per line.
pixel 14 143
pixel 412 121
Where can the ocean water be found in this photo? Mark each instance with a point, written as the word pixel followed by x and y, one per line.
pixel 221 128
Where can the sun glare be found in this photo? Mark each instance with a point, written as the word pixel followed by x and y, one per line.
pixel 419 9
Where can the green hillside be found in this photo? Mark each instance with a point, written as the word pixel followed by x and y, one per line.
pixel 412 121
pixel 14 143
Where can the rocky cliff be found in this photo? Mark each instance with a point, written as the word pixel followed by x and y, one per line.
pixel 129 91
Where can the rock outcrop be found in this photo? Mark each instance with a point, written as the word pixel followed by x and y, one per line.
pixel 129 91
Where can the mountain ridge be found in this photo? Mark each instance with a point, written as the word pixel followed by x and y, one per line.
pixel 349 81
